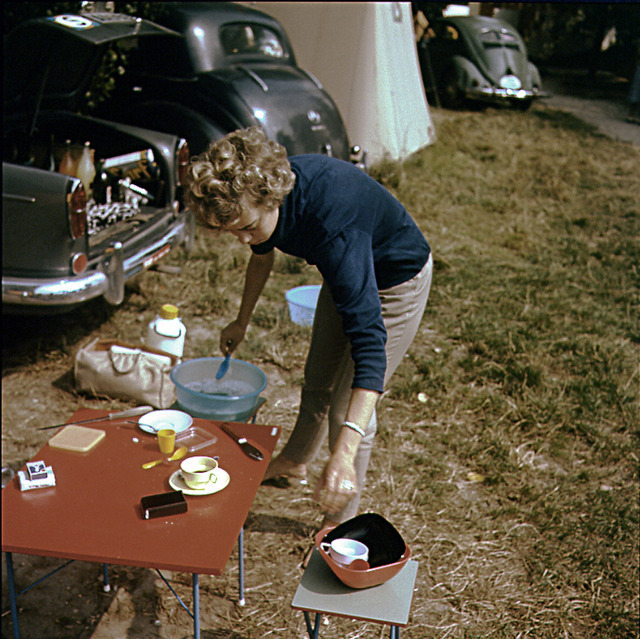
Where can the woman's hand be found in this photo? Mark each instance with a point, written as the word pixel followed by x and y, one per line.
pixel 256 277
pixel 231 336
pixel 337 484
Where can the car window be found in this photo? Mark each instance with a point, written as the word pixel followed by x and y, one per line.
pixel 498 38
pixel 442 32
pixel 252 39
pixel 451 33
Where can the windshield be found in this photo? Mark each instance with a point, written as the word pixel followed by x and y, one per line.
pixel 251 39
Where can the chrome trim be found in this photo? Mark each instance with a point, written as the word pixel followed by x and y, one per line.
pixel 313 79
pixel 69 290
pixel 113 268
pixel 255 77
pixel 494 92
pixel 19 198
pixel 327 150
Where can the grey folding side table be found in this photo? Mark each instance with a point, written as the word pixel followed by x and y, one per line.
pixel 321 592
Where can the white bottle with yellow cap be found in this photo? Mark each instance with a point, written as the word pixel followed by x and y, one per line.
pixel 167 332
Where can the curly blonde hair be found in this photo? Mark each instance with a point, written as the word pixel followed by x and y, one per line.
pixel 242 166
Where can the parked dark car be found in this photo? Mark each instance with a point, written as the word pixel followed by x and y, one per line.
pixel 233 68
pixel 65 242
pixel 476 58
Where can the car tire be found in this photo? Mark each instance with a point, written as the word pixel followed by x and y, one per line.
pixel 451 96
pixel 524 105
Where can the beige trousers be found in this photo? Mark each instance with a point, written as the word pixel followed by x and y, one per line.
pixel 329 373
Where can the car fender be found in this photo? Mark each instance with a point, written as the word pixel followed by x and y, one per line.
pixel 36 199
pixel 182 121
pixel 534 76
pixel 467 73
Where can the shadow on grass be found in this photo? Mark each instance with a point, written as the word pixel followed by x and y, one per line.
pixel 566 121
pixel 28 339
pixel 259 522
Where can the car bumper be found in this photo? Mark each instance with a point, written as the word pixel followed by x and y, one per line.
pixel 495 93
pixel 106 278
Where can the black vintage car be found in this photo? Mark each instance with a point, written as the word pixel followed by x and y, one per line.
pixel 476 58
pixel 86 203
pixel 232 68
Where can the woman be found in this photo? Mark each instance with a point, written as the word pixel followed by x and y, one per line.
pixel 376 266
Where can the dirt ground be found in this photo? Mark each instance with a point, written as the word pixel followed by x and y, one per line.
pixel 38 389
pixel 72 604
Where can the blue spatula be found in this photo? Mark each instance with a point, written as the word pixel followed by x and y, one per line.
pixel 224 367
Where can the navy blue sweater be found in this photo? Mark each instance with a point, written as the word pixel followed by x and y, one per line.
pixel 361 239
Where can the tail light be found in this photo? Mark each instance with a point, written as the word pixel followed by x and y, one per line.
pixel 79 263
pixel 182 162
pixel 77 208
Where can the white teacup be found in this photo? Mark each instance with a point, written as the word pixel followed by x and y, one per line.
pixel 344 551
pixel 197 472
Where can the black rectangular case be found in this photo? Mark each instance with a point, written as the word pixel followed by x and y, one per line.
pixel 163 505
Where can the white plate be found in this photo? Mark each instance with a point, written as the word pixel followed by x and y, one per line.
pixel 177 483
pixel 155 420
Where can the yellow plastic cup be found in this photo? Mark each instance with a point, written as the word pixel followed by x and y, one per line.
pixel 166 440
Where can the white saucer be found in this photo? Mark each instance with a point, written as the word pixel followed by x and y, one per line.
pixel 157 419
pixel 177 483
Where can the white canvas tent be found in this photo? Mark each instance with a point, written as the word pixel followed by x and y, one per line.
pixel 364 54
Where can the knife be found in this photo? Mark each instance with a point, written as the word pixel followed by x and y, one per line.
pixel 248 449
pixel 141 410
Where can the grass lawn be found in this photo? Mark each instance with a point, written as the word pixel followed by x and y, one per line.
pixel 507 453
pixel 508 446
pixel 529 369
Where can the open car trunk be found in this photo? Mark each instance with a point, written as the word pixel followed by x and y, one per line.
pixel 132 184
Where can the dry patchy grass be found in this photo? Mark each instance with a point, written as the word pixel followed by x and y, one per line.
pixel 508 447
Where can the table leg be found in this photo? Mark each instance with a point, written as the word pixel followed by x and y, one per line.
pixel 12 595
pixel 196 606
pixel 241 600
pixel 395 632
pixel 106 586
pixel 312 631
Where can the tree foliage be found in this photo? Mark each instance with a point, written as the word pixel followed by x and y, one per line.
pixel 582 35
pixel 113 62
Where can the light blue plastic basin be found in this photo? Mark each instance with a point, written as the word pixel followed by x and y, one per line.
pixel 233 398
pixel 302 304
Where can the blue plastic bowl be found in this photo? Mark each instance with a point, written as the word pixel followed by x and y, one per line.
pixel 302 304
pixel 232 398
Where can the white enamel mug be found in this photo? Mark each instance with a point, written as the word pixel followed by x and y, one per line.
pixel 344 550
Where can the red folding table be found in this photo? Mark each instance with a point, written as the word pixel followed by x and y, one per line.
pixel 93 512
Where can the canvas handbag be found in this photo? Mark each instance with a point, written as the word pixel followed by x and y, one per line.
pixel 126 371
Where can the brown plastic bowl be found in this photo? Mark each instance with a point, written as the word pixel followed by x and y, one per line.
pixel 361 578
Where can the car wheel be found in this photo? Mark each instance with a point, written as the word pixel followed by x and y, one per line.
pixel 523 105
pixel 450 94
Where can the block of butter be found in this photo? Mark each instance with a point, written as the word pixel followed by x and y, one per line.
pixel 78 438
